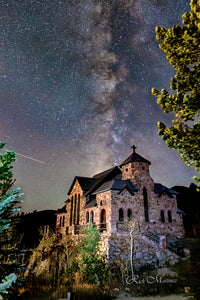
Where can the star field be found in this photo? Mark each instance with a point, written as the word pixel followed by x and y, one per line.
pixel 75 90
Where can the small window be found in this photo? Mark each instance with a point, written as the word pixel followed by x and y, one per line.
pixel 126 169
pixel 60 222
pixel 87 217
pixel 162 216
pixel 121 215
pixel 92 216
pixel 169 216
pixel 129 214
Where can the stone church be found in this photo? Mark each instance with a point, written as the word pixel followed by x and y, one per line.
pixel 116 197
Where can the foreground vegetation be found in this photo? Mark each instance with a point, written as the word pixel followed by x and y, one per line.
pixel 8 201
pixel 60 266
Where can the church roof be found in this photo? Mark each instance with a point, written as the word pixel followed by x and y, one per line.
pixel 116 184
pixel 160 189
pixel 134 157
pixel 103 177
pixel 61 210
pixel 92 203
pixel 85 182
pixel 104 173
pixel 88 184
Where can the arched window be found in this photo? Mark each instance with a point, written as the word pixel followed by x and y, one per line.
pixel 78 209
pixel 146 205
pixel 87 217
pixel 162 216
pixel 71 212
pixel 92 216
pixel 129 214
pixel 169 216
pixel 121 215
pixel 75 200
pixel 63 221
pixel 103 220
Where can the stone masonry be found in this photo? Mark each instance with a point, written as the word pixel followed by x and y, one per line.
pixel 117 198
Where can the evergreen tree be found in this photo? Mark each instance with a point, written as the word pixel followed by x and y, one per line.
pixel 90 241
pixel 182 47
pixel 8 201
pixel 92 265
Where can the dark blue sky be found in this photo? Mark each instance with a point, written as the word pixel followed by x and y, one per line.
pixel 75 90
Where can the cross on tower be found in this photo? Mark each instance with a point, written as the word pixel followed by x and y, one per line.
pixel 133 147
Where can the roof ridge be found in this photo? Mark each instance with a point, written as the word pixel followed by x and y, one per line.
pixel 106 171
pixel 101 178
pixel 135 157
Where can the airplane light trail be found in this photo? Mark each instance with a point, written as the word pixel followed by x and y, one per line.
pixel 28 157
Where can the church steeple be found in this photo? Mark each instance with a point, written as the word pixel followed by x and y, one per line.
pixel 134 157
pixel 136 168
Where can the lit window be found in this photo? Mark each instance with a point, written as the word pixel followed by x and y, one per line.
pixel 103 220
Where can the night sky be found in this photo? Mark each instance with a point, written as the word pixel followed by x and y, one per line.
pixel 75 91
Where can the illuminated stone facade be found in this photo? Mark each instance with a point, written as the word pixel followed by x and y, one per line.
pixel 115 198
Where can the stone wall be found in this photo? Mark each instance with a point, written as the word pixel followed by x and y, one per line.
pixel 72 217
pixel 104 202
pixel 138 173
pixel 61 224
pixel 145 252
pixel 135 203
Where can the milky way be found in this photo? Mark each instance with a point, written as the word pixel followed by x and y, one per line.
pixel 75 90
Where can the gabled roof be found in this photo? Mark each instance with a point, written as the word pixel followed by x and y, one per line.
pixel 103 177
pixel 85 182
pixel 90 204
pixel 61 210
pixel 160 189
pixel 128 189
pixel 104 173
pixel 116 184
pixel 134 157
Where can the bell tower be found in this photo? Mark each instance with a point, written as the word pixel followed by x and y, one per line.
pixel 136 169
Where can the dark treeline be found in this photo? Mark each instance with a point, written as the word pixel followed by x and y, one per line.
pixel 27 228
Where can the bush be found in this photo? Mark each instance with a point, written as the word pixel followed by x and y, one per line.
pixel 93 269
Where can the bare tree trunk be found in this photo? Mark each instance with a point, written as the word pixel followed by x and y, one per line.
pixel 131 255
